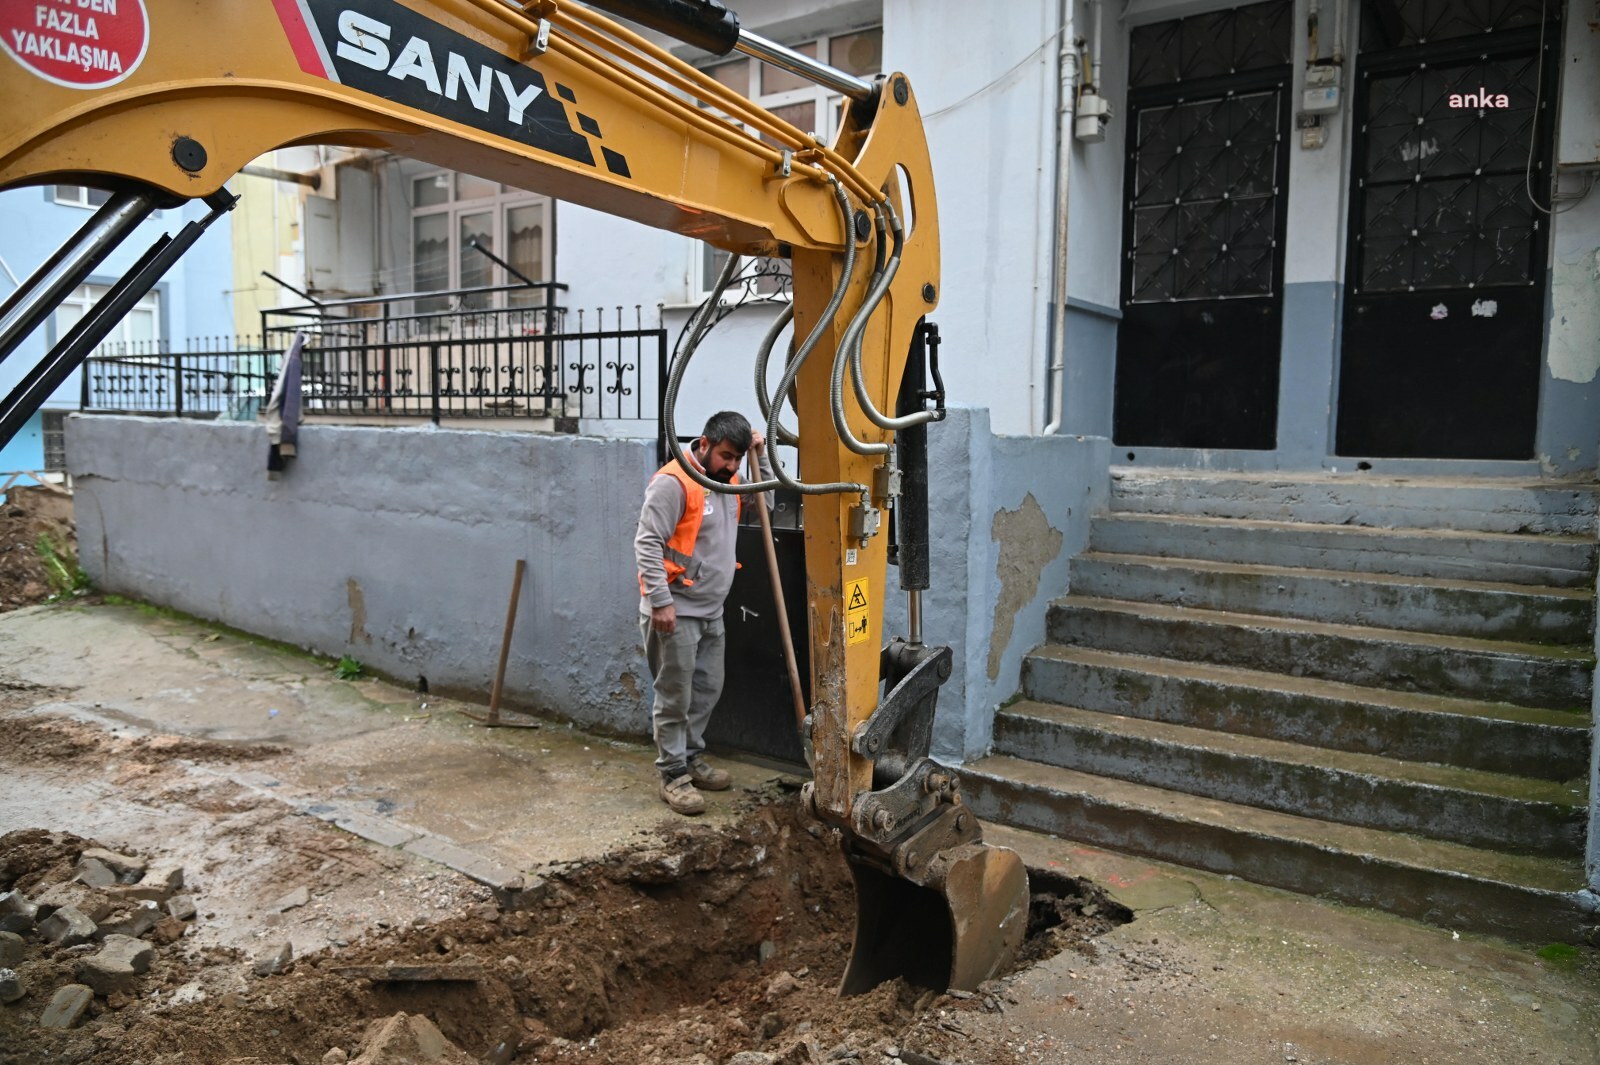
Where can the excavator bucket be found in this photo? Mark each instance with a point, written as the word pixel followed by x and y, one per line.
pixel 934 903
pixel 961 929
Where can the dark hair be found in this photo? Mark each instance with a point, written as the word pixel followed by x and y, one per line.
pixel 727 425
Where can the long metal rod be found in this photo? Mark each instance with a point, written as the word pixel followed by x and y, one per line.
pixel 31 392
pixel 37 298
pixel 804 66
pixel 797 694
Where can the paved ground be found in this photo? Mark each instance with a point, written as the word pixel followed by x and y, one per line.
pixel 1211 970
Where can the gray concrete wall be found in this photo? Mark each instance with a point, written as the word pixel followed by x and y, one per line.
pixel 1008 513
pixel 393 545
pixel 396 545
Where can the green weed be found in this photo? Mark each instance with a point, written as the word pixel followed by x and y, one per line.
pixel 1560 955
pixel 61 568
pixel 348 668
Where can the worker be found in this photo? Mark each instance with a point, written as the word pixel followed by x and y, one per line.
pixel 685 554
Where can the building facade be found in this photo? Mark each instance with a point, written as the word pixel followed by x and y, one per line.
pixel 1292 234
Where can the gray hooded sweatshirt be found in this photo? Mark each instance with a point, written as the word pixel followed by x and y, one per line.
pixel 719 533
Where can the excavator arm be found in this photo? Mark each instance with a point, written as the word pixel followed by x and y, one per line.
pixel 162 101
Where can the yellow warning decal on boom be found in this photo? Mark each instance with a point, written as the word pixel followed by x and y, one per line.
pixel 856 611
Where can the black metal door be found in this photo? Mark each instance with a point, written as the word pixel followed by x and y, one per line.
pixel 1444 302
pixel 756 711
pixel 1205 201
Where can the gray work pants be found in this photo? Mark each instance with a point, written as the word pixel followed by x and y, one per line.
pixel 687 667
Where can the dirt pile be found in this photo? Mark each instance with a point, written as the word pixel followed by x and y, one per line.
pixel 38 547
pixel 699 946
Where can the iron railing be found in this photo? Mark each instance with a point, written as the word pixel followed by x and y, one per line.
pixel 433 355
pixel 211 376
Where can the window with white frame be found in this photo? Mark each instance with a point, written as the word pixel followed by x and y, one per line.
pixel 139 332
pixel 79 195
pixel 54 426
pixel 803 104
pixel 452 215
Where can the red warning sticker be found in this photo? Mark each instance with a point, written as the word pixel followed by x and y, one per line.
pixel 82 44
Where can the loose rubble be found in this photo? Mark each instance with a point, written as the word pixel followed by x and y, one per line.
pixel 704 946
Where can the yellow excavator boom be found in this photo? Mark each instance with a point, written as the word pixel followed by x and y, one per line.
pixel 163 101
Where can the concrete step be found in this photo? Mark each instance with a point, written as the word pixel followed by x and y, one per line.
pixel 1509 558
pixel 1522 897
pixel 1443 802
pixel 1522 613
pixel 1556 677
pixel 1496 737
pixel 1481 504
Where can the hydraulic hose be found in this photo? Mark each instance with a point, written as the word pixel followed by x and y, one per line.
pixel 763 355
pixel 792 371
pixel 850 346
pixel 699 325
pixel 877 417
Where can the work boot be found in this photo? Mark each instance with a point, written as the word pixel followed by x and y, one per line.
pixel 679 794
pixel 708 777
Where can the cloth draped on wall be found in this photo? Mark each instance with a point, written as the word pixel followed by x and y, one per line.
pixel 282 413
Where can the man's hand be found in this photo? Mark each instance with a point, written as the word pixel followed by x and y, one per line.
pixel 758 443
pixel 664 619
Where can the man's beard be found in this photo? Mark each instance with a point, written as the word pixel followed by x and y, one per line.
pixel 724 476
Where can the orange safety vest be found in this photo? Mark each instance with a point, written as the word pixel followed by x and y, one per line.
pixel 678 554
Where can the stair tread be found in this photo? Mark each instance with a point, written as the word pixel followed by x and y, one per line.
pixel 1149 474
pixel 1576 653
pixel 1353 531
pixel 1333 689
pixel 1353 576
pixel 1548 874
pixel 1499 785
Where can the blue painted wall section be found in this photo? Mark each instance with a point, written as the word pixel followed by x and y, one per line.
pixel 195 297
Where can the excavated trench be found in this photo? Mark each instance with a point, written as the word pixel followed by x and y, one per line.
pixel 697 946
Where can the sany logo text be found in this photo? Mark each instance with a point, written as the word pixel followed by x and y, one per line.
pixel 365 41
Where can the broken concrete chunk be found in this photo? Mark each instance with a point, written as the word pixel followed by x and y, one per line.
pixel 93 873
pixel 135 922
pixel 167 878
pixel 67 927
pixel 781 985
pixel 17 914
pixel 159 885
pixel 10 950
pixel 182 907
pixel 298 897
pixel 752 1057
pixel 66 1007
pixel 168 930
pixel 87 901
pixel 336 1056
pixel 11 987
pixel 127 867
pixel 404 1039
pixel 275 959
pixel 121 960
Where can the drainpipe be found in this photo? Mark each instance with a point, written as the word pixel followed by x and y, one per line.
pixel 1066 103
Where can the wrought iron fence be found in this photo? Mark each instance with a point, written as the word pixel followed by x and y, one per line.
pixel 432 355
pixel 210 377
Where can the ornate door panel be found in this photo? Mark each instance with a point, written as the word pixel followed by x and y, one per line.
pixel 1197 349
pixel 1444 302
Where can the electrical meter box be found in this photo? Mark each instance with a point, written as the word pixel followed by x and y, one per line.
pixel 1321 95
